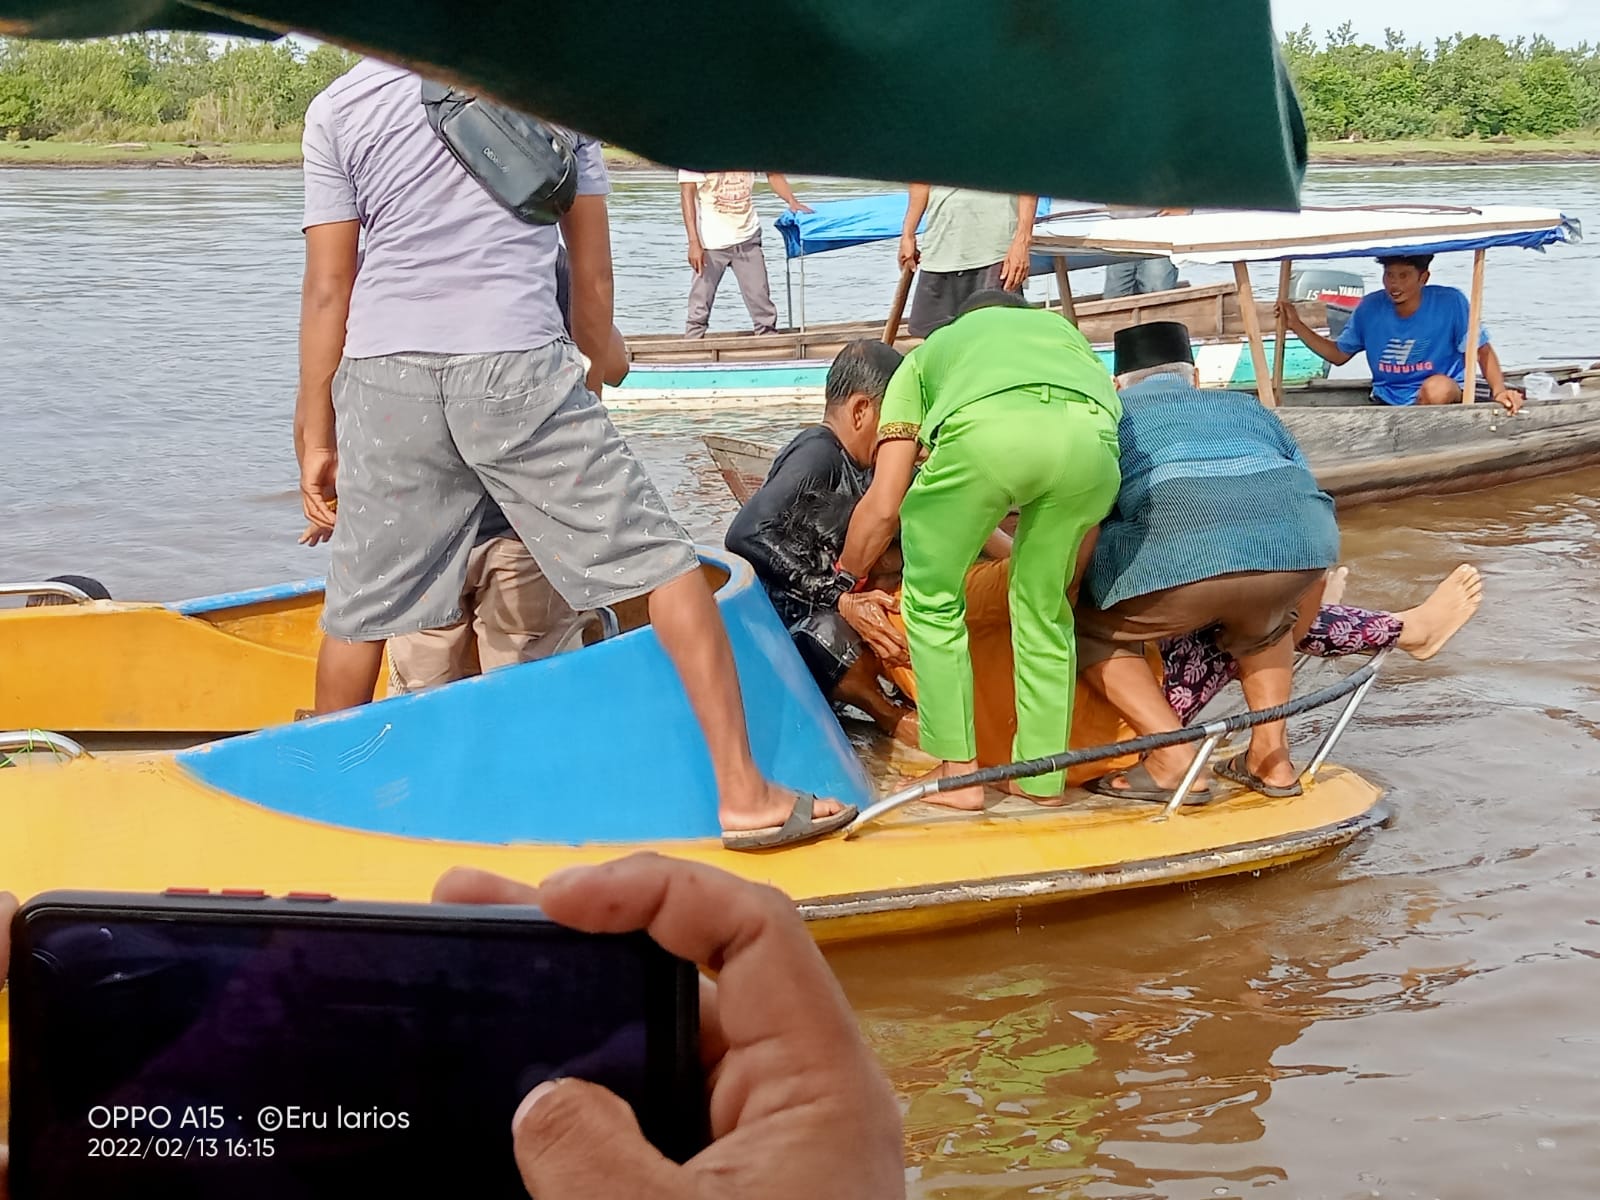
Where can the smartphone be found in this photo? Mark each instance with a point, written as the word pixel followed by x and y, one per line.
pixel 232 1046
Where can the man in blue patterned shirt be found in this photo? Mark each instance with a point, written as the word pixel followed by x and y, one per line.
pixel 1218 524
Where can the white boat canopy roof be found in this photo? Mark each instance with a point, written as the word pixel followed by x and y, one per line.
pixel 1209 238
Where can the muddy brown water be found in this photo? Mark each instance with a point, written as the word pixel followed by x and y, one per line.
pixel 1417 1016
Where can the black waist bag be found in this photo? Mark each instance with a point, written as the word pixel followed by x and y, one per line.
pixel 528 166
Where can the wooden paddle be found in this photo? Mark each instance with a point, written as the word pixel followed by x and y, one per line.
pixel 891 327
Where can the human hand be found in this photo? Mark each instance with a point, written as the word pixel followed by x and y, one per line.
pixel 799 1105
pixel 868 614
pixel 1509 399
pixel 697 257
pixel 800 206
pixel 319 472
pixel 8 908
pixel 1014 270
pixel 1286 312
pixel 910 256
pixel 315 534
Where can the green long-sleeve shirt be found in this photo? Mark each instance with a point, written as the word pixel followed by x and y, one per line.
pixel 983 353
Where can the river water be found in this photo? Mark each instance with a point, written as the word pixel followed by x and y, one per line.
pixel 1414 1017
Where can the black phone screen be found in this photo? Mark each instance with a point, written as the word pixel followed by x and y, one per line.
pixel 273 1055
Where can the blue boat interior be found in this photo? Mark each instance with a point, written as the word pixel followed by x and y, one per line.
pixel 598 745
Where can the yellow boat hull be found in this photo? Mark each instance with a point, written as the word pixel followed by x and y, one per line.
pixel 112 666
pixel 146 824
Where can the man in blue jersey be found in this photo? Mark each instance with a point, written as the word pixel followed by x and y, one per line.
pixel 1414 335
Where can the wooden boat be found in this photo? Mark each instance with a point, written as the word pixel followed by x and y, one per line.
pixel 741 370
pixel 599 758
pixel 1364 451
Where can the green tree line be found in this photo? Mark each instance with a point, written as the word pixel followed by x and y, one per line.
pixel 1462 86
pixel 181 87
pixel 161 87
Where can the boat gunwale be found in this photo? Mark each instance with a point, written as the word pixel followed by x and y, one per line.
pixel 1051 885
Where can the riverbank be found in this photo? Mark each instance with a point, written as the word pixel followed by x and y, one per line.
pixel 1464 152
pixel 1444 152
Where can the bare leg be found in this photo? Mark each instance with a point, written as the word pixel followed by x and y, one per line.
pixel 347 674
pixel 859 689
pixel 1439 389
pixel 1436 620
pixel 1134 692
pixel 1267 677
pixel 685 618
pixel 1307 609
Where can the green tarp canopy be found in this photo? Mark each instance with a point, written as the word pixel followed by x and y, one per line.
pixel 1141 101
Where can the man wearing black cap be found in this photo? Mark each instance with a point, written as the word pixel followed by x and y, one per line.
pixel 1218 523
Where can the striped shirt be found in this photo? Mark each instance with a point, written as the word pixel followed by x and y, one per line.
pixel 1212 483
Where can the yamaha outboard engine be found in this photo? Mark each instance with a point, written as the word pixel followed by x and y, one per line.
pixel 1341 291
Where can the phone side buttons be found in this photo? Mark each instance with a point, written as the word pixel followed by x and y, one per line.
pixel 186 891
pixel 318 897
pixel 242 894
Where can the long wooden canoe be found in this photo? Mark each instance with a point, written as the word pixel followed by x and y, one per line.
pixel 1364 452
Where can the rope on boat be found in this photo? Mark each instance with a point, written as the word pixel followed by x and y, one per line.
pixel 27 741
pixel 1354 685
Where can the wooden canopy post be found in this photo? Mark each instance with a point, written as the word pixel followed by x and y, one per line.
pixel 1469 385
pixel 1067 309
pixel 1281 331
pixel 1252 326
pixel 891 327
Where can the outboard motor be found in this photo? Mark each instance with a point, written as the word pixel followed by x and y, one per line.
pixel 1341 291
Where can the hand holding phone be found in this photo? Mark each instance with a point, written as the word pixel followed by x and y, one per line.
pixel 800 1107
pixel 225 1047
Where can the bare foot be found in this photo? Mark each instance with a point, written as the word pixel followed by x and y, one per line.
pixel 1167 768
pixel 1012 787
pixel 769 805
pixel 905 729
pixel 967 799
pixel 1435 621
pixel 1333 590
pixel 1277 769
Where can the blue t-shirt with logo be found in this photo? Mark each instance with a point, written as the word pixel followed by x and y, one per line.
pixel 1403 351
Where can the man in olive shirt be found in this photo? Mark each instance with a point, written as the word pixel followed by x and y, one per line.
pixel 973 242
pixel 1018 412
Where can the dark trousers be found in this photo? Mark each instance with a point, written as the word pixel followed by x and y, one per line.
pixel 749 267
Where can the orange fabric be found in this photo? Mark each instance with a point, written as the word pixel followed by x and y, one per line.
pixel 1094 721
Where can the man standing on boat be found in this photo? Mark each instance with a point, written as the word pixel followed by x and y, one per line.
pixel 1414 335
pixel 1017 412
pixel 973 242
pixel 430 329
pixel 719 215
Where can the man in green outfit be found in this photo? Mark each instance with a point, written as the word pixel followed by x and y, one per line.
pixel 1017 412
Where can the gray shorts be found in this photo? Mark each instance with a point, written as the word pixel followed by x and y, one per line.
pixel 425 439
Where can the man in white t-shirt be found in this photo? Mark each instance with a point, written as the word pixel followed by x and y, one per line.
pixel 719 215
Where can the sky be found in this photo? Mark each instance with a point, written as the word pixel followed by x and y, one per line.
pixel 1566 22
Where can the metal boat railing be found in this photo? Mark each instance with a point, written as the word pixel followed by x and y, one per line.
pixel 1353 688
pixel 32 740
pixel 45 587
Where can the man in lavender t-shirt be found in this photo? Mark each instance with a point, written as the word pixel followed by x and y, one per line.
pixel 436 375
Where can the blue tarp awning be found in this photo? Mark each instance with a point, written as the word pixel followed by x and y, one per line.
pixel 861 220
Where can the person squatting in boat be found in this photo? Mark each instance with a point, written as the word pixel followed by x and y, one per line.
pixel 430 328
pixel 1414 335
pixel 793 531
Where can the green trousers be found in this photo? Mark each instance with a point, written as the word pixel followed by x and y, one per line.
pixel 1052 454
